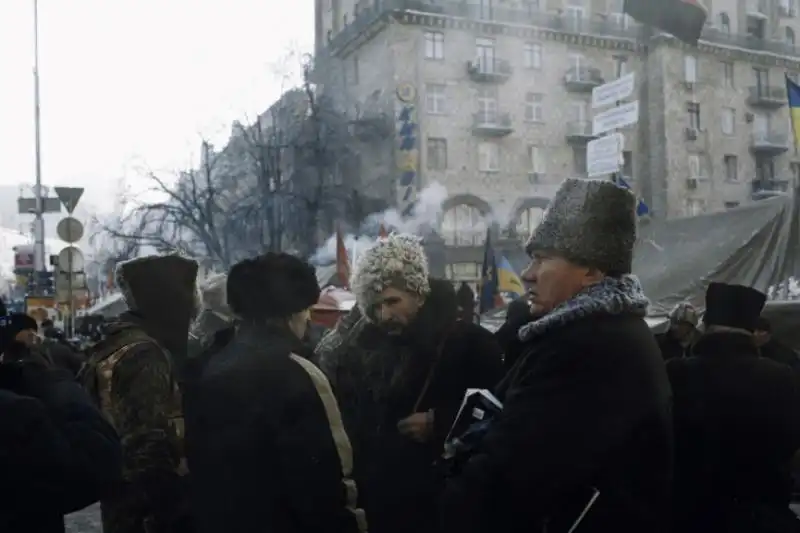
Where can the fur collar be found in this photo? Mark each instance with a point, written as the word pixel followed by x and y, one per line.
pixel 611 296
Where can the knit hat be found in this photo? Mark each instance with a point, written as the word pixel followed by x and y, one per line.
pixel 273 285
pixel 12 325
pixel 684 313
pixel 591 222
pixel 733 306
pixel 397 261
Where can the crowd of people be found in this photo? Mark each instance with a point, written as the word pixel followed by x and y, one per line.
pixel 231 414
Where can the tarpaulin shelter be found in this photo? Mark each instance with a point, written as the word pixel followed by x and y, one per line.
pixel 332 305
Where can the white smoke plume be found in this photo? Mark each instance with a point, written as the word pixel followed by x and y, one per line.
pixel 427 212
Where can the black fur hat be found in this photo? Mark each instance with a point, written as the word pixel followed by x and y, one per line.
pixel 733 306
pixel 273 285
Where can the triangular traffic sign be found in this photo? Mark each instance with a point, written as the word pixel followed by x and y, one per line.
pixel 69 196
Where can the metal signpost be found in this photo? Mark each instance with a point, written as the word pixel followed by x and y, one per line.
pixel 70 263
pixel 604 154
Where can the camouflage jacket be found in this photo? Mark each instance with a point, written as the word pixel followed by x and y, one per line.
pixel 131 378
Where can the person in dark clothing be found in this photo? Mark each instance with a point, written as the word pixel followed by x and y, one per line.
pixel 58 454
pixel 737 423
pixel 400 364
pixel 215 316
pixel 585 434
pixel 58 350
pixel 466 303
pixel 266 443
pixel 132 376
pixel 517 315
pixel 678 339
pixel 771 348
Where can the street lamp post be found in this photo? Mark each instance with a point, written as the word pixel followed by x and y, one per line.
pixel 39 248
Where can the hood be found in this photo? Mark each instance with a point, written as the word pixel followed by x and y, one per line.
pixel 160 292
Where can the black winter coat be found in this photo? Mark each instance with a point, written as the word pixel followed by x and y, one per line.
pixel 57 452
pixel 265 442
pixel 587 407
pixel 379 379
pixel 737 424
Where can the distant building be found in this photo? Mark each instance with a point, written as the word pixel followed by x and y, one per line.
pixel 499 94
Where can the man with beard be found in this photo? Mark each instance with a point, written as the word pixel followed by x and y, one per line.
pixel 266 443
pixel 400 364
pixel 585 432
pixel 132 376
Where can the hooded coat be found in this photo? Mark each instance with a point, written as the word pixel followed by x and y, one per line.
pixel 378 379
pixel 131 374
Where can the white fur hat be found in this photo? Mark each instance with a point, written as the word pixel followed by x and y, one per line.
pixel 397 261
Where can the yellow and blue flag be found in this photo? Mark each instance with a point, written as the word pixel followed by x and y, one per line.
pixel 793 94
pixel 507 279
pixel 642 208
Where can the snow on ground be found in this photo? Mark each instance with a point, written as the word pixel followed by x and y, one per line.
pixel 84 521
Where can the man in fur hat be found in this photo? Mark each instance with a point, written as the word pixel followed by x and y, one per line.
pixel 400 364
pixel 678 339
pixel 737 424
pixel 586 421
pixel 131 374
pixel 266 443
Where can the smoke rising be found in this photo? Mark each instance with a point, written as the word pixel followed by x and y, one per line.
pixel 427 212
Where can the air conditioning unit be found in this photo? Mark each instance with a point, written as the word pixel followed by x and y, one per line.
pixel 691 183
pixel 691 134
pixel 690 85
pixel 535 177
pixel 749 118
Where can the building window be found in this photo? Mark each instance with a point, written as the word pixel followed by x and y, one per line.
pixel 620 65
pixel 437 154
pixel 435 98
pixel 731 163
pixel 577 61
pixel 694 166
pixel 463 225
pixel 690 68
pixel 728 120
pixel 727 73
pixel 484 53
pixel 627 163
pixel 579 161
pixel 694 207
pixel 731 205
pixel 528 220
pixel 533 55
pixel 761 76
pixel 488 157
pixel 355 70
pixel 487 104
pixel 794 168
pixel 467 272
pixel 536 159
pixel 533 107
pixel 790 37
pixel 693 109
pixel 434 45
pixel 724 22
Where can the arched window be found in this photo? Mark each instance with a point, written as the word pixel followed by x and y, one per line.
pixel 463 225
pixel 724 22
pixel 790 37
pixel 527 221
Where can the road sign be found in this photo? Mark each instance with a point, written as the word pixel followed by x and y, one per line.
pixel 70 230
pixel 28 205
pixel 70 259
pixel 613 91
pixel 603 155
pixel 616 117
pixel 69 196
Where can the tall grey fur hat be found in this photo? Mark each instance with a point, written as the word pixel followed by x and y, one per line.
pixel 592 222
pixel 397 261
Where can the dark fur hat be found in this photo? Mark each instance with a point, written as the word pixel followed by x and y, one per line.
pixel 592 222
pixel 271 286
pixel 733 306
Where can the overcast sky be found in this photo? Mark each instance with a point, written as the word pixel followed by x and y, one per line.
pixel 129 82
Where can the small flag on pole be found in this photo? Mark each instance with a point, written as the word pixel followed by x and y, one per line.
pixel 793 95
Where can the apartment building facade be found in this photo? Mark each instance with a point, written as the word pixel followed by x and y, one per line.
pixel 497 95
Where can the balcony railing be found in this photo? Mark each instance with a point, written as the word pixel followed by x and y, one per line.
pixel 767 96
pixel 580 131
pixel 489 69
pixel 765 188
pixel 492 124
pixel 769 143
pixel 583 78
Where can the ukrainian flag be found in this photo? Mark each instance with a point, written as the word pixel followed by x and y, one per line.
pixel 793 94
pixel 642 208
pixel 508 281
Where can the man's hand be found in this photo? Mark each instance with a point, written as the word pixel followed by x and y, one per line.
pixel 418 426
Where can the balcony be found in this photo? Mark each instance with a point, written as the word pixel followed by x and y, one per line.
pixel 758 9
pixel 491 124
pixel 769 143
pixel 771 97
pixel 580 131
pixel 583 79
pixel 489 70
pixel 767 188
